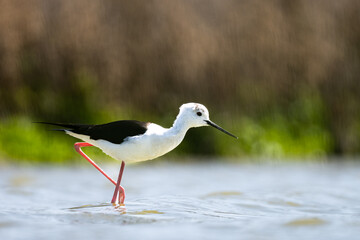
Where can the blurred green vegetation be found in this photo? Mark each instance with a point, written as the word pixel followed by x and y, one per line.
pixel 303 135
pixel 282 75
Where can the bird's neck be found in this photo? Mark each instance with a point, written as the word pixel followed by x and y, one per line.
pixel 180 126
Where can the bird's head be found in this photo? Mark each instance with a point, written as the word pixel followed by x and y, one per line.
pixel 197 115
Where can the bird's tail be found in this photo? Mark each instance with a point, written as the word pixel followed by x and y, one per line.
pixel 67 126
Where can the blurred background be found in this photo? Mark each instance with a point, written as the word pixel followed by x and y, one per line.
pixel 282 75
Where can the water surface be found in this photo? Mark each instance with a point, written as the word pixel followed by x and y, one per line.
pixel 183 201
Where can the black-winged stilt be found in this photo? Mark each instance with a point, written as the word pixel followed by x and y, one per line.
pixel 134 141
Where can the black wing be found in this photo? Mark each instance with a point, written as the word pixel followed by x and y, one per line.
pixel 114 132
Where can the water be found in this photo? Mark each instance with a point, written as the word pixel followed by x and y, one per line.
pixel 183 201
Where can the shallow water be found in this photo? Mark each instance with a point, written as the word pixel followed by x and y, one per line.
pixel 183 201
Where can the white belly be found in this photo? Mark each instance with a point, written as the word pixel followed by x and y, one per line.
pixel 137 148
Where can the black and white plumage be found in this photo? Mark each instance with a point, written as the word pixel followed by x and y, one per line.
pixel 133 141
pixel 114 132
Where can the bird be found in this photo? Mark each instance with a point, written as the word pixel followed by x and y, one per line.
pixel 133 141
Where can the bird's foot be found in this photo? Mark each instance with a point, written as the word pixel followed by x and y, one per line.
pixel 119 196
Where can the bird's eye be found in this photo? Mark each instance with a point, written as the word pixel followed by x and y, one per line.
pixel 199 114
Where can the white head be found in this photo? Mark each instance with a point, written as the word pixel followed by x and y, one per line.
pixel 194 114
pixel 197 115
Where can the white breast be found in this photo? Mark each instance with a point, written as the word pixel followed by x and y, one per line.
pixel 155 142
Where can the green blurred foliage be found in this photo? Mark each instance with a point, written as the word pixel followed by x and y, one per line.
pixel 22 140
pixel 300 133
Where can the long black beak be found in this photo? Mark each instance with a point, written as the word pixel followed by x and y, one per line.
pixel 220 128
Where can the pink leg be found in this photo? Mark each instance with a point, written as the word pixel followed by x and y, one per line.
pixel 78 147
pixel 119 190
